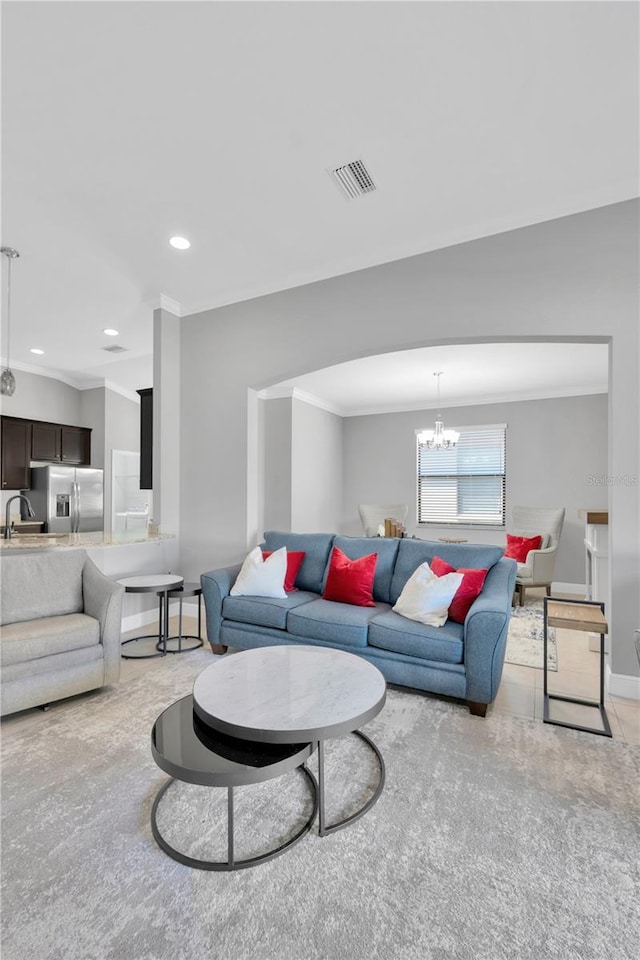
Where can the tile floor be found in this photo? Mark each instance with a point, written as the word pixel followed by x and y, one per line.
pixel 520 691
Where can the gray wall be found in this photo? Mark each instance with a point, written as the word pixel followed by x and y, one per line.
pixel 303 467
pixel 316 468
pixel 277 464
pixel 43 398
pixel 571 278
pixel 553 447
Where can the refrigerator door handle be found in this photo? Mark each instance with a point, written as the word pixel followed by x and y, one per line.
pixel 75 522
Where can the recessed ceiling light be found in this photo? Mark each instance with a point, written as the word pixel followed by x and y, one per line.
pixel 36 350
pixel 180 243
pixel 110 333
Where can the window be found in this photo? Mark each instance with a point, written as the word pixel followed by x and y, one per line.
pixel 466 483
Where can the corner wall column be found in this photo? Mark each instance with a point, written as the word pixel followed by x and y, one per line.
pixel 166 421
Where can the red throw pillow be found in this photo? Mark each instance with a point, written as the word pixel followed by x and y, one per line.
pixel 350 581
pixel 294 562
pixel 518 547
pixel 469 589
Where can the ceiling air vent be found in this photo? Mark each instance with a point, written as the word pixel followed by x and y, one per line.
pixel 115 349
pixel 354 179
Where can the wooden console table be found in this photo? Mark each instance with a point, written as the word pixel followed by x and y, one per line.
pixel 588 617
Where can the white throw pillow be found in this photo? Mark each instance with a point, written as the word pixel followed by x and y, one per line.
pixel 262 578
pixel 426 597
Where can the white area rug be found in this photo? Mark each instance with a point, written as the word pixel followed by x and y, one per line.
pixel 494 839
pixel 524 643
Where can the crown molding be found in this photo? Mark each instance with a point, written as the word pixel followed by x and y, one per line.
pixel 163 302
pixel 52 374
pixel 294 393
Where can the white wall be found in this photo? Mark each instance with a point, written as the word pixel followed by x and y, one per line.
pixel 553 448
pixel 571 278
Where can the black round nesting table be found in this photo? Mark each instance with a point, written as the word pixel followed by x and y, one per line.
pixel 160 584
pixel 181 593
pixel 190 751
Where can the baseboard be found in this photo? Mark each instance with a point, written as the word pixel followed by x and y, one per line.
pixel 622 685
pixel 578 588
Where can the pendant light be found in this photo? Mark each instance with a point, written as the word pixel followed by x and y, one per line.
pixel 438 438
pixel 7 379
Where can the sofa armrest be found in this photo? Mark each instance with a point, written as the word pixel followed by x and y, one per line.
pixel 103 600
pixel 485 632
pixel 216 585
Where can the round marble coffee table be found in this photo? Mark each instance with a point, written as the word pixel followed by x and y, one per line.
pixel 294 694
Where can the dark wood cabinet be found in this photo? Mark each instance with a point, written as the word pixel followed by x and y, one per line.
pixel 76 445
pixel 16 447
pixel 27 440
pixel 146 438
pixel 46 441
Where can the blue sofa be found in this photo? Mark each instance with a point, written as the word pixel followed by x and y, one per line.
pixel 457 660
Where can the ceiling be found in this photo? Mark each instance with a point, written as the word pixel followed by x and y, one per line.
pixel 126 123
pixel 471 374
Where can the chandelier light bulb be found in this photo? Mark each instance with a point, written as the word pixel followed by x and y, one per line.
pixel 438 438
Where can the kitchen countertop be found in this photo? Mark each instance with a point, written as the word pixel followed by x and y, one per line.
pixel 39 541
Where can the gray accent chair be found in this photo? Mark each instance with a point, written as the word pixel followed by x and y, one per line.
pixel 373 515
pixel 540 565
pixel 60 628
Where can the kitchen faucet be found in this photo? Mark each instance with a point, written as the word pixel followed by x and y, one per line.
pixel 7 523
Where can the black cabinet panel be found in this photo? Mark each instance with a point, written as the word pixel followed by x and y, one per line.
pixel 27 440
pixel 146 438
pixel 76 445
pixel 46 441
pixel 16 447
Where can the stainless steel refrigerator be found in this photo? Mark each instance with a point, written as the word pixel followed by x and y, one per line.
pixel 68 499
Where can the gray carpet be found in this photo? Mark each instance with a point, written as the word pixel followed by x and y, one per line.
pixel 495 839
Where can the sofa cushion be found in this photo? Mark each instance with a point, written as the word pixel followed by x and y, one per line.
pixel 426 597
pixel 31 639
pixel 260 576
pixel 411 553
pixel 316 546
pixel 333 622
pixel 350 581
pixel 294 562
pixel 467 592
pixel 518 547
pixel 60 662
pixel 390 631
pixel 264 611
pixel 41 585
pixel 387 550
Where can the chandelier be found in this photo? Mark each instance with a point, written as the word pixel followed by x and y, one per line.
pixel 7 379
pixel 438 438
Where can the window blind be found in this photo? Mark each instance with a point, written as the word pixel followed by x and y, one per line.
pixel 466 483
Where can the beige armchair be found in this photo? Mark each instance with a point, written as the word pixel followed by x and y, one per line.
pixel 373 515
pixel 538 570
